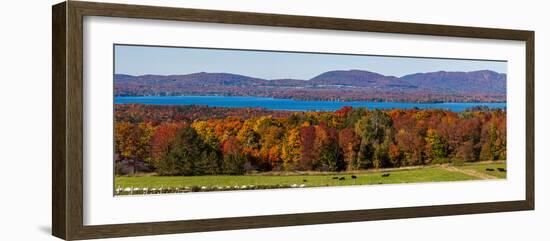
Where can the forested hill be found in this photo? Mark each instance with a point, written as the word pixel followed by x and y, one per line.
pixel 442 86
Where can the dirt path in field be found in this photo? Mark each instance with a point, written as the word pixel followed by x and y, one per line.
pixel 469 172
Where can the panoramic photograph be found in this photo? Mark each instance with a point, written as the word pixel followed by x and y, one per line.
pixel 203 120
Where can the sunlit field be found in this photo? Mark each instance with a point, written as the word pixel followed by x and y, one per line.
pixel 171 184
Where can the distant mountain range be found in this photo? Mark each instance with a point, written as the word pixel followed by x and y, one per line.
pixel 442 86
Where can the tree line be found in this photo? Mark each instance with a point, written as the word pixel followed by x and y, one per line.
pixel 346 139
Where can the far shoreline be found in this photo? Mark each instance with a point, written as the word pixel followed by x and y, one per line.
pixel 280 104
pixel 297 99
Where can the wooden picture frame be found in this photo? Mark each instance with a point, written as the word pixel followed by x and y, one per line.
pixel 67 124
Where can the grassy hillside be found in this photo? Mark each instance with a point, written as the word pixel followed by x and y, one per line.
pixel 247 182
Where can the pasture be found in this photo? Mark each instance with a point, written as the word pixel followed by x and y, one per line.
pixel 168 184
pixel 488 169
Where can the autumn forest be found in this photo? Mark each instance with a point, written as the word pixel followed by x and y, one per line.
pixel 200 140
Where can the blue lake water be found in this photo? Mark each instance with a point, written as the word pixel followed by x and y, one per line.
pixel 289 104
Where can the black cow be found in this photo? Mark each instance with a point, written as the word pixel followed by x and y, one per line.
pixel 385 175
pixel 354 179
pixel 489 169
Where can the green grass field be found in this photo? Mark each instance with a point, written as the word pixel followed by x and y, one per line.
pixel 482 169
pixel 218 183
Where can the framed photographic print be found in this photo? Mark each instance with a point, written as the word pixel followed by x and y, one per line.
pixel 171 120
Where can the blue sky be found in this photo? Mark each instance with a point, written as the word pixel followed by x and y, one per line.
pixel 139 60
